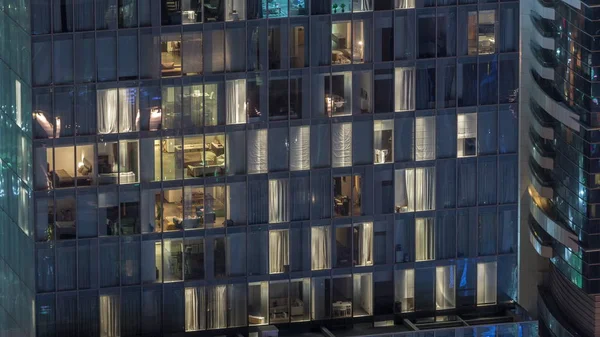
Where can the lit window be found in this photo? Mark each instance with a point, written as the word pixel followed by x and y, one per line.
pixel 320 248
pixel 118 163
pixel 405 85
pixel 424 238
pixel 258 303
pixel 415 189
pixel 487 31
pixel 195 303
pixel 384 141
pixel 279 201
pixel 257 151
pixel 362 299
pixel 236 101
pixel 404 4
pixel 170 56
pixel 117 111
pixel 299 148
pixel 341 46
pixel 404 292
pixel 216 307
pixel 425 138
pixel 487 282
pixel 362 5
pixel 278 251
pixel 466 127
pixel 445 288
pixel 110 317
pixel 362 238
pixel 338 94
pixel 341 143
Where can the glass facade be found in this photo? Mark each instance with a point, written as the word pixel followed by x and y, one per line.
pixel 563 160
pixel 214 164
pixel 17 265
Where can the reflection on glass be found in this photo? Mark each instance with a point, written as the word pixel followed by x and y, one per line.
pixel 486 35
pixel 341 6
pixel 173 260
pixel 276 8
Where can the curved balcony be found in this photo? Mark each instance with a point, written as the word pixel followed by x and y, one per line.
pixel 540 240
pixel 543 32
pixel 542 150
pixel 546 3
pixel 541 181
pixel 545 8
pixel 550 315
pixel 545 216
pixel 543 60
pixel 550 100
pixel 542 122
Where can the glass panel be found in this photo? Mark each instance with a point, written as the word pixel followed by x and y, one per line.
pixel 445 291
pixel 362 301
pixel 404 290
pixel 170 59
pixel 341 301
pixel 320 247
pixel 425 244
pixel 258 303
pixel 279 302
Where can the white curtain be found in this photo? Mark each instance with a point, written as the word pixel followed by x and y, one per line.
pixel 445 290
pixel 405 88
pixel 110 311
pixel 425 189
pixel 425 138
pixel 107 111
pixel 299 148
pixel 236 101
pixel 279 201
pixel 257 151
pixel 342 144
pixel 424 239
pixel 278 250
pixel 405 289
pixel 217 308
pixel 404 190
pixel 128 110
pixel 320 247
pixel 365 244
pixel 487 280
pixel 362 294
pixel 195 319
pixel 404 4
pixel 466 127
pixel 362 5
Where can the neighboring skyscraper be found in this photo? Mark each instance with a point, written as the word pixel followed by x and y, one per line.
pixel 563 166
pixel 222 164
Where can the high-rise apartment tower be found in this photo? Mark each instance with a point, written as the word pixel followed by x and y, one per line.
pixel 219 167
